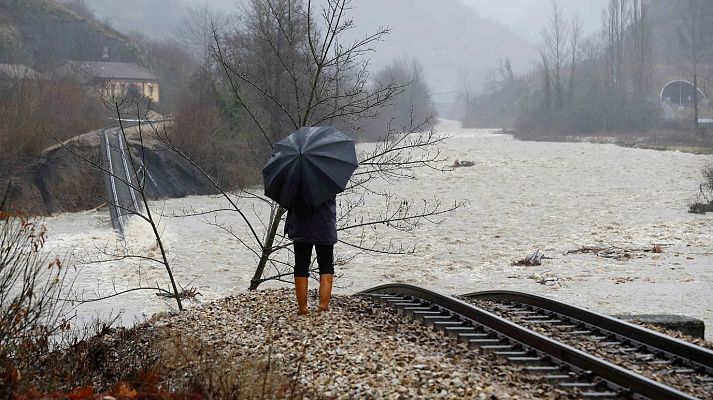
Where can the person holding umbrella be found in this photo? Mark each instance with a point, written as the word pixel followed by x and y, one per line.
pixel 304 174
pixel 308 227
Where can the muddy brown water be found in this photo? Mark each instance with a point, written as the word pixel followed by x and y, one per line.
pixel 522 196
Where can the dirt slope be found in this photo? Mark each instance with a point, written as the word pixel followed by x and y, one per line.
pixel 59 181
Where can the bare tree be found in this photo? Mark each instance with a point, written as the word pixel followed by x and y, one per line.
pixel 80 8
pixel 614 24
pixel 696 47
pixel 555 49
pixel 466 95
pixel 546 71
pixel 574 54
pixel 30 284
pixel 288 65
pixel 194 31
pixel 641 56
pixel 27 103
pixel 412 103
pixel 497 104
pixel 135 179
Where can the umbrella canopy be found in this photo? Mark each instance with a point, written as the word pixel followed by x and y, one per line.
pixel 309 167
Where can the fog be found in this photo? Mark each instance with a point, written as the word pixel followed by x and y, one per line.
pixel 165 154
pixel 452 53
pixel 525 17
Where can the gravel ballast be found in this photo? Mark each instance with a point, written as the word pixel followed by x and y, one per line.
pixel 695 382
pixel 358 349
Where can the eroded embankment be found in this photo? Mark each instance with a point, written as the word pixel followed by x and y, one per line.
pixel 59 181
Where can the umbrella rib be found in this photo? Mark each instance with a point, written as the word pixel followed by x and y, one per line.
pixel 330 178
pixel 332 159
pixel 326 160
pixel 316 146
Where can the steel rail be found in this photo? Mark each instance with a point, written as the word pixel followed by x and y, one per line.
pixel 133 123
pixel 130 184
pixel 137 122
pixel 112 190
pixel 613 373
pixel 675 347
pixel 112 183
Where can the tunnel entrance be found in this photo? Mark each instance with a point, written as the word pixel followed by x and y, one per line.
pixel 680 92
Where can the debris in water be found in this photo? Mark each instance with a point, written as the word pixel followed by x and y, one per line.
pixel 458 164
pixel 617 253
pixel 532 260
pixel 544 278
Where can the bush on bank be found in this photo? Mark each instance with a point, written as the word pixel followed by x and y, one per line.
pixel 43 356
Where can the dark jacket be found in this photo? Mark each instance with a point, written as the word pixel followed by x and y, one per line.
pixel 313 225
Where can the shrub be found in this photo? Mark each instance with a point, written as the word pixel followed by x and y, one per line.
pixel 31 285
pixel 705 193
pixel 29 104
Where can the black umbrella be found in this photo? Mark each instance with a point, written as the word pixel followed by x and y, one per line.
pixel 309 167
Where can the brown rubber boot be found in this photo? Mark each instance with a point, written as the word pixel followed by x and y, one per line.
pixel 325 291
pixel 301 292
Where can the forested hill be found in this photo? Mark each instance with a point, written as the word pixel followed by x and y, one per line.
pixel 43 34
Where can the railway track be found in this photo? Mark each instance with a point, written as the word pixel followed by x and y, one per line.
pixel 512 328
pixel 121 177
pixel 668 360
pixel 120 180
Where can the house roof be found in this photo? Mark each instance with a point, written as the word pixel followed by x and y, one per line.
pixel 114 70
pixel 17 71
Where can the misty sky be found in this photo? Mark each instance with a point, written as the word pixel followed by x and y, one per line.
pixel 525 17
pixel 454 40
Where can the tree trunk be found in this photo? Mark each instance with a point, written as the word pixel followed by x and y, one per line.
pixel 695 99
pixel 267 249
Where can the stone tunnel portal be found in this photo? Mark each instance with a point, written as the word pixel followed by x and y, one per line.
pixel 680 92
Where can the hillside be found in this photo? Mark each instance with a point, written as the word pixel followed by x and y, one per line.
pixel 140 15
pixel 447 37
pixel 44 34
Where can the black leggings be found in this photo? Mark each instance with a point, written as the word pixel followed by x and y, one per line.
pixel 303 258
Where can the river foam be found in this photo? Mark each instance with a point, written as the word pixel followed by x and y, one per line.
pixel 522 196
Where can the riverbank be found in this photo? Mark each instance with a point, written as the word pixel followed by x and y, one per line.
pixel 252 344
pixel 686 142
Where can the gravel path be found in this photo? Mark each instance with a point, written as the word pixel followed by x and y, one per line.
pixel 645 364
pixel 356 350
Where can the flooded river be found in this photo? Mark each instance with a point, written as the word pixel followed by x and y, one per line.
pixel 521 197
